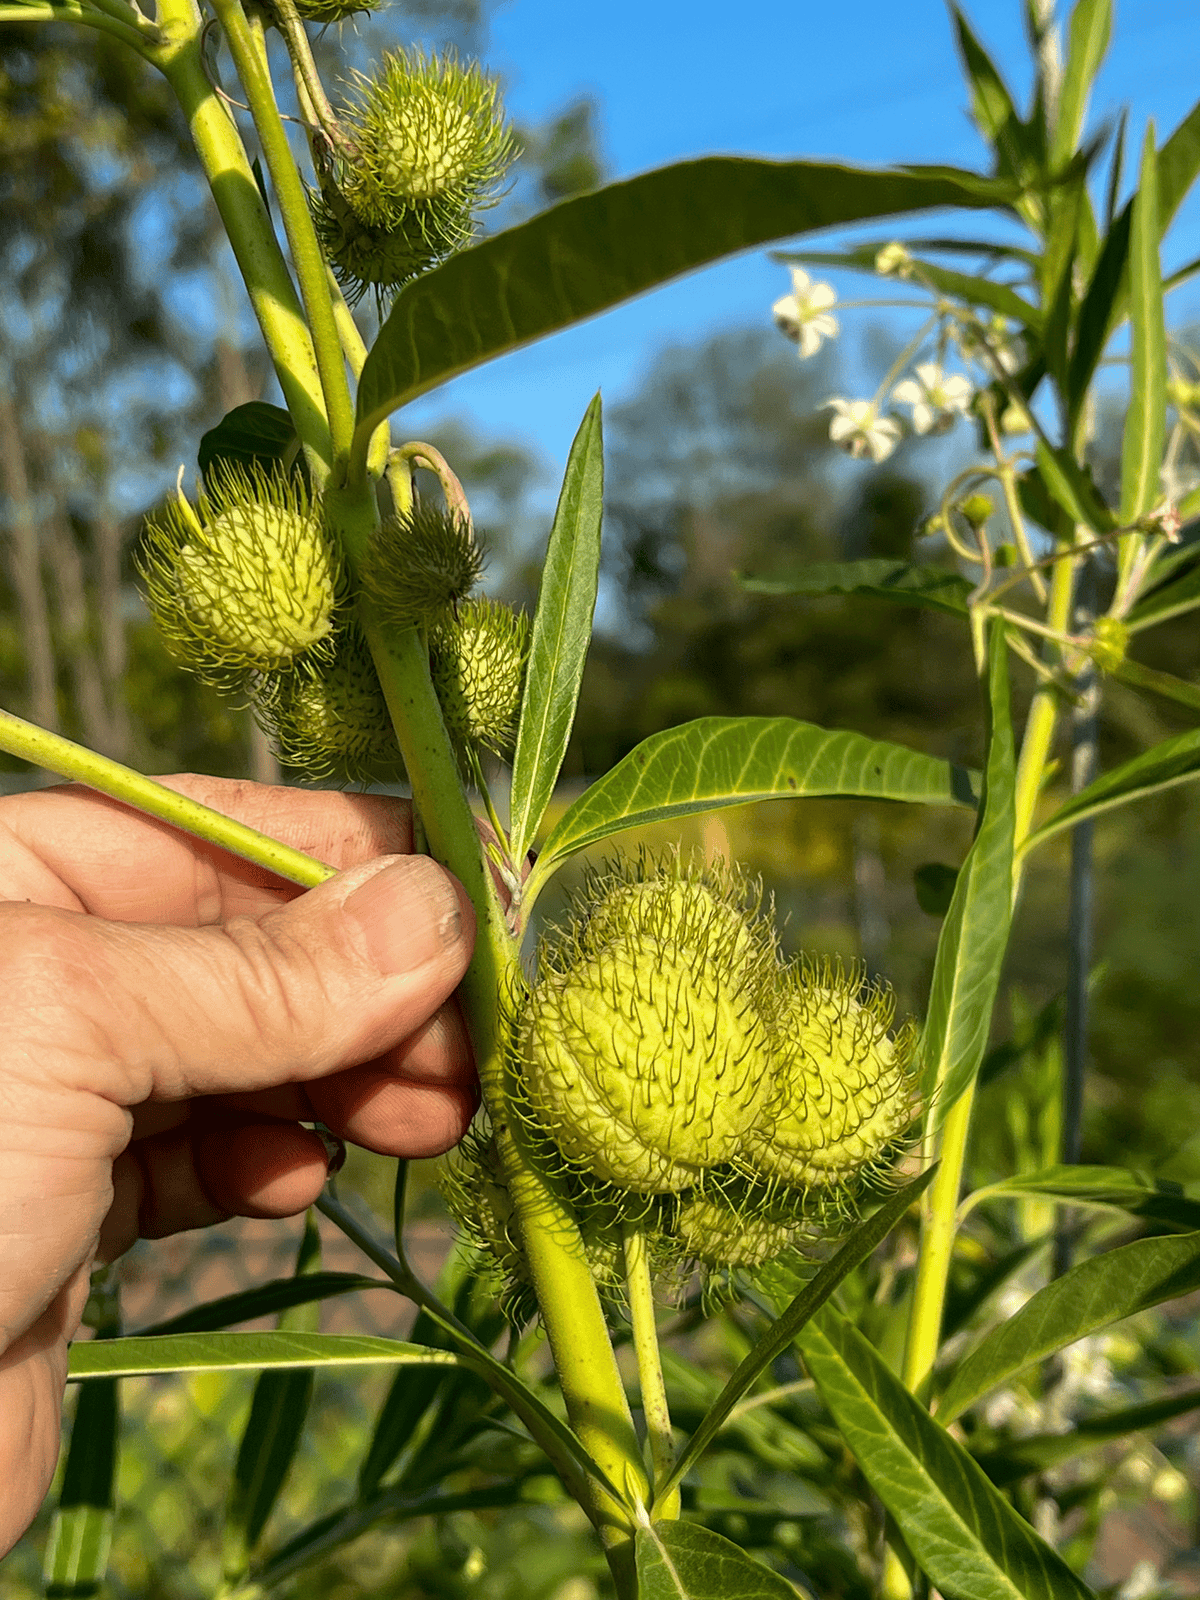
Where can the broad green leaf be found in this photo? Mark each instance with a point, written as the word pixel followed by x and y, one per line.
pixel 81 1532
pixel 971 289
pixel 1164 765
pixel 264 1301
pixel 962 1532
pixel 1092 1295
pixel 1040 1451
pixel 864 1239
pixel 728 761
pixel 1142 449
pixel 1153 1198
pixel 900 581
pixel 562 631
pixel 684 1561
pixel 974 935
pixel 599 249
pixel 230 1352
pixel 1090 30
pixel 253 434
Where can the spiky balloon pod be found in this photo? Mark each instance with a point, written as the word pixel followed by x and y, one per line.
pixel 328 718
pixel 847 1088
pixel 431 150
pixel 647 1040
pixel 419 567
pixel 477 658
pixel 325 12
pixel 740 1228
pixel 247 582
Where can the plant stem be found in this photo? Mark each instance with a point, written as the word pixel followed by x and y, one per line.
pixel 136 38
pixel 1043 715
pixel 645 1344
pixel 247 47
pixel 248 225
pixel 69 760
pixel 938 1227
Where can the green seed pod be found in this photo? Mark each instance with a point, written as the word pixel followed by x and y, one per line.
pixel 846 1088
pixel 477 662
pixel 1110 642
pixel 328 718
pixel 325 12
pixel 647 1041
pixel 419 567
pixel 248 582
pixel 745 1229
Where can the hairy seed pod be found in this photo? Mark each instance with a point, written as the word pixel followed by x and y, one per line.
pixel 327 12
pixel 329 719
pixel 477 662
pixel 743 1230
pixel 847 1093
pixel 647 1043
pixel 246 583
pixel 1110 642
pixel 419 567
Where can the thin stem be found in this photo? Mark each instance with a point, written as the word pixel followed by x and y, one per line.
pixel 645 1344
pixel 938 1227
pixel 1043 715
pixel 902 360
pixel 246 45
pixel 69 760
pixel 308 80
pixel 1008 483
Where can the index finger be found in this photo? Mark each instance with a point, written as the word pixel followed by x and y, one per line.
pixel 70 847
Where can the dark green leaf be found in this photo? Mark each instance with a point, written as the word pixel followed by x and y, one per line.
pixel 77 1551
pixel 1165 684
pixel 1090 30
pixel 202 1352
pixel 1145 421
pixel 1072 488
pixel 1153 1198
pixel 683 1561
pixel 727 761
pixel 255 433
pixel 597 250
pixel 1163 766
pixel 864 1239
pixel 1178 164
pixel 410 1395
pixel 934 884
pixel 962 1532
pixel 1102 307
pixel 899 581
pixel 264 1301
pixel 974 935
pixel 1040 1451
pixel 562 630
pixel 1092 1295
pixel 991 103
pixel 972 290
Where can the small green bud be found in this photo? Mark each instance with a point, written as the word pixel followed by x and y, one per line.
pixel 647 1042
pixel 1110 642
pixel 976 508
pixel 847 1093
pixel 477 662
pixel 420 566
pixel 328 718
pixel 247 582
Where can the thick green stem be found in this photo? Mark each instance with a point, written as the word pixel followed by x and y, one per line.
pixel 248 225
pixel 249 57
pixel 71 11
pixel 654 1390
pixel 1043 717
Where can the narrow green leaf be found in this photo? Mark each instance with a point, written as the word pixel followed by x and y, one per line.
pixel 1070 487
pixel 684 1561
pixel 77 1551
pixel 1153 1198
pixel 992 105
pixel 256 433
pixel 900 581
pixel 1164 684
pixel 864 1239
pixel 728 761
pixel 1088 37
pixel 229 1352
pixel 599 249
pixel 974 935
pixel 972 289
pixel 1181 275
pixel 1145 421
pixel 1164 765
pixel 1039 1451
pixel 1092 1295
pixel 962 1532
pixel 265 1300
pixel 1170 598
pixel 1178 164
pixel 562 631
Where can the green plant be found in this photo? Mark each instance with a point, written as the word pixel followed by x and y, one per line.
pixel 665 1092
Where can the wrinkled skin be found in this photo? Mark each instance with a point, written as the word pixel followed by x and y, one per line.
pixel 172 1015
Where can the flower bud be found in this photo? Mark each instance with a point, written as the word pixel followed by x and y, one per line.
pixel 247 582
pixel 477 662
pixel 328 718
pixel 420 566
pixel 977 508
pixel 847 1093
pixel 647 1041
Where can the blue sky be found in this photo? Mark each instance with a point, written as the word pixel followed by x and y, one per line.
pixel 867 81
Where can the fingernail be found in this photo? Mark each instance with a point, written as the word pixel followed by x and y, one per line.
pixel 335 1149
pixel 409 914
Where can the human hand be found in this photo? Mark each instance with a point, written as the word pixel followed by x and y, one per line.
pixel 172 1014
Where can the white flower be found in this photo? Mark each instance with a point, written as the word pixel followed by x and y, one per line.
pixel 804 314
pixel 935 398
pixel 861 431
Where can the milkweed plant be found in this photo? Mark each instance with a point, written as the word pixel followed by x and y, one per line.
pixel 680 1121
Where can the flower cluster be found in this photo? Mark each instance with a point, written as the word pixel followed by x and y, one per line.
pixel 804 314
